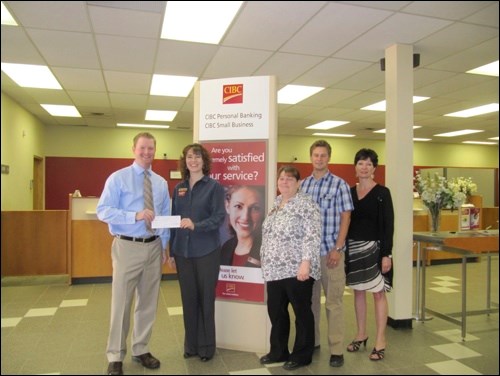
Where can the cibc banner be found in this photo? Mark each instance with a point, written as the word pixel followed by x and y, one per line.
pixel 233 124
pixel 241 168
pixel 234 109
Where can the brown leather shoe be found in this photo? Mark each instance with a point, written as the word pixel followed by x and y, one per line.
pixel 147 360
pixel 115 368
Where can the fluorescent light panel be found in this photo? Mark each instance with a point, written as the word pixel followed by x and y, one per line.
pixel 130 125
pixel 327 124
pixel 493 138
pixel 458 133
pixel 198 21
pixel 385 130
pixel 333 134
pixel 172 86
pixel 381 106
pixel 476 111
pixel 490 69
pixel 422 139
pixel 36 76
pixel 479 142
pixel 61 110
pixel 7 18
pixel 154 115
pixel 292 94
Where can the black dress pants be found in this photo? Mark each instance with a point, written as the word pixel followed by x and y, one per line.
pixel 280 294
pixel 197 280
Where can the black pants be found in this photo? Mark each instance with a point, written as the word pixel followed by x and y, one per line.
pixel 280 294
pixel 197 280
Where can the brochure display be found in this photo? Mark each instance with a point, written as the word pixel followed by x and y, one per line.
pixel 469 217
pixel 464 217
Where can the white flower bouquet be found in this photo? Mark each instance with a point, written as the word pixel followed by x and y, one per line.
pixel 436 191
pixel 439 193
pixel 464 185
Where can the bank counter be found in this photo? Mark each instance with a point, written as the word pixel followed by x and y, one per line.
pixel 90 243
pixel 450 221
pixel 465 245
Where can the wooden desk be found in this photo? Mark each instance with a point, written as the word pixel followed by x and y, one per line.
pixel 467 244
pixel 90 243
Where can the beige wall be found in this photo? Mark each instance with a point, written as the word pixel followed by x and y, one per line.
pixel 87 142
pixel 23 137
pixel 117 143
pixel 424 154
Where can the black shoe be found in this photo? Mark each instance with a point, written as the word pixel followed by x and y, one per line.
pixel 291 365
pixel 355 345
pixel 147 360
pixel 377 354
pixel 188 355
pixel 336 360
pixel 268 359
pixel 115 368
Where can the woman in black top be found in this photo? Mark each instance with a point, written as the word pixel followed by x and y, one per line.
pixel 369 250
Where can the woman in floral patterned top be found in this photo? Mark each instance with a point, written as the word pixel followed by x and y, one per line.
pixel 290 255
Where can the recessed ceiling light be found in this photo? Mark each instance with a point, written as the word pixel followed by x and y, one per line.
pixel 143 125
pixel 333 134
pixel 172 86
pixel 327 124
pixel 490 69
pixel 36 76
pixel 381 106
pixel 154 115
pixel 198 21
pixel 292 94
pixel 61 110
pixel 475 111
pixel 422 139
pixel 458 133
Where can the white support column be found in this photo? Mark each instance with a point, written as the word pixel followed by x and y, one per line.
pixel 399 176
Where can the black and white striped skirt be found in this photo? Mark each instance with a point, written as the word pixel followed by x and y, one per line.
pixel 363 269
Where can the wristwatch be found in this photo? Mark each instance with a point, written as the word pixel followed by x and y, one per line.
pixel 338 249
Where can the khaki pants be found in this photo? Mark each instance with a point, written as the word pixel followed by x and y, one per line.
pixel 136 269
pixel 333 282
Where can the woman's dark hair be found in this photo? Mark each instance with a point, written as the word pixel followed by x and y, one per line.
pixel 256 188
pixel 199 150
pixel 290 171
pixel 364 154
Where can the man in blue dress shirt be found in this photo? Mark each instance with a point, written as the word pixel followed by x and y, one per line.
pixel 137 253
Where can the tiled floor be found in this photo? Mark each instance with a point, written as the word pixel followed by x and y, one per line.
pixel 49 327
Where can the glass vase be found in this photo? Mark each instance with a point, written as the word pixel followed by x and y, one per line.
pixel 435 219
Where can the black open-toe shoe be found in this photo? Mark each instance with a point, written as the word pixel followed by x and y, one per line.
pixel 355 345
pixel 377 354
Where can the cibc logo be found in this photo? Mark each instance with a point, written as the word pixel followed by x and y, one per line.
pixel 232 94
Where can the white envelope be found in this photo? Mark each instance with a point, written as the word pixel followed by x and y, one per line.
pixel 166 221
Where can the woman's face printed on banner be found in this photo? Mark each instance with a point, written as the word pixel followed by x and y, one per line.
pixel 246 211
